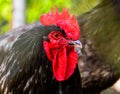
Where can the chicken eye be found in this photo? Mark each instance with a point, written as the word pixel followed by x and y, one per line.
pixel 56 36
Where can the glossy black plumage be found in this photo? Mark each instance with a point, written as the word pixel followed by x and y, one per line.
pixel 100 30
pixel 24 67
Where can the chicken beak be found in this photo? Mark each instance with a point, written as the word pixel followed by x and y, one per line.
pixel 77 45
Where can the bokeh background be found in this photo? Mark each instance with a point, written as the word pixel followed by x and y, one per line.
pixel 30 10
pixel 15 13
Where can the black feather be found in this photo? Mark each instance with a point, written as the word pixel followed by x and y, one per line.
pixel 24 67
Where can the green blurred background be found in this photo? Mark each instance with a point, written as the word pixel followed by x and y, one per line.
pixel 34 8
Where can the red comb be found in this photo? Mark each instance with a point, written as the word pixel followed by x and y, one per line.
pixel 66 22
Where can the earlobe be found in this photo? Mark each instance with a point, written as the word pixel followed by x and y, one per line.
pixel 47 50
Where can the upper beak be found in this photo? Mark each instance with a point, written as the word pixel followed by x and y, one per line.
pixel 77 45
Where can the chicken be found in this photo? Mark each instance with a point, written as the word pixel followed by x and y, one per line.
pixel 42 60
pixel 100 32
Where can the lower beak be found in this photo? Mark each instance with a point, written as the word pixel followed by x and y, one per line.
pixel 77 45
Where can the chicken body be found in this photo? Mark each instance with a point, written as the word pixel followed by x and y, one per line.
pixel 25 68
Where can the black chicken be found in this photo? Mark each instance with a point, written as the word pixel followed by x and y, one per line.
pixel 41 60
pixel 100 32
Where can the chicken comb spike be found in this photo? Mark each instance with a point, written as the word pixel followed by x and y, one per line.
pixel 57 11
pixel 65 13
pixel 66 22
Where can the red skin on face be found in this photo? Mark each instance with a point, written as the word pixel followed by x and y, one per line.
pixel 63 57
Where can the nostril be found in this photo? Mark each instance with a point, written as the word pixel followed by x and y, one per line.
pixel 70 43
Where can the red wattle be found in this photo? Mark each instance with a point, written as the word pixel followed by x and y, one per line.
pixel 64 63
pixel 63 60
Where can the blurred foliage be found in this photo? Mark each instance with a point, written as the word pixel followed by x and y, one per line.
pixel 5 15
pixel 34 8
pixel 37 7
pixel 81 6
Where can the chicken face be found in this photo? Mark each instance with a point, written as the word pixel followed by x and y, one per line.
pixel 61 47
pixel 61 52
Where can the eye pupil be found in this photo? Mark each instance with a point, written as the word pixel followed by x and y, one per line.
pixel 56 35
